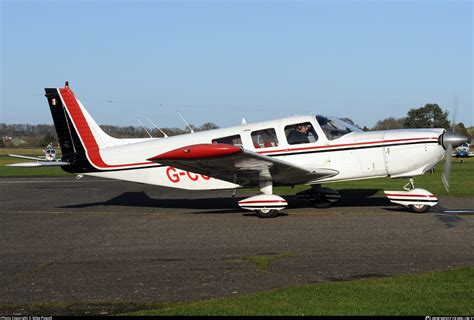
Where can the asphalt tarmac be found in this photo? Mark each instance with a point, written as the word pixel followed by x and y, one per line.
pixel 108 243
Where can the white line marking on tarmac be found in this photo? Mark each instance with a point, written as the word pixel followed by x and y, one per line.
pixel 459 211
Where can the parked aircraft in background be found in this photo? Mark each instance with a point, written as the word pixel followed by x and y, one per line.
pixel 463 151
pixel 49 158
pixel 294 150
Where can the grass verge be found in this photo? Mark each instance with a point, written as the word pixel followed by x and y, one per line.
pixel 434 293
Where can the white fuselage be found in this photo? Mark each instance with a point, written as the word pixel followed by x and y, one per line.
pixel 356 155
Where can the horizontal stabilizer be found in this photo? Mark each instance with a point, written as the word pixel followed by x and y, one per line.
pixel 39 164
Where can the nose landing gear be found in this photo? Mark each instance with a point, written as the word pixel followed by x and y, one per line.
pixel 415 199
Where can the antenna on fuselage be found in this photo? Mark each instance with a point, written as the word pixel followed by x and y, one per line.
pixel 143 126
pixel 166 136
pixel 179 114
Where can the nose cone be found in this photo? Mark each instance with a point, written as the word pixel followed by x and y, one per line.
pixel 453 138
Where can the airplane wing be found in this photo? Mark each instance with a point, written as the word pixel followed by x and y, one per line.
pixel 27 157
pixel 238 165
pixel 39 164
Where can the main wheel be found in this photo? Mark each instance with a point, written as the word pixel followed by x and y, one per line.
pixel 267 213
pixel 418 208
pixel 321 204
pixel 320 201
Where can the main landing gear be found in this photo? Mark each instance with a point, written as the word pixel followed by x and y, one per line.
pixel 266 205
pixel 320 197
pixel 415 199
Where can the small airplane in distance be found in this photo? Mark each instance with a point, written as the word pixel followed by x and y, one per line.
pixel 282 152
pixel 463 151
pixel 49 158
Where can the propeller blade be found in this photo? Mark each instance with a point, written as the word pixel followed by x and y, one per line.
pixel 447 167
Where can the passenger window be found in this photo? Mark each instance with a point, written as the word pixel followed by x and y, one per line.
pixel 264 138
pixel 300 133
pixel 233 140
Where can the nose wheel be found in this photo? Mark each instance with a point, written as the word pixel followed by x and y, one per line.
pixel 419 208
pixel 417 200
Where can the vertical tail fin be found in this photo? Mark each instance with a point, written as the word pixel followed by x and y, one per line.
pixel 68 139
pixel 78 134
pixel 80 137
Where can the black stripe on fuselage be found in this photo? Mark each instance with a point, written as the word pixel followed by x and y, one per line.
pixel 347 149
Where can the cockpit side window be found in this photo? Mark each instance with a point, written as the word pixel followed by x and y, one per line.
pixel 233 140
pixel 300 133
pixel 265 138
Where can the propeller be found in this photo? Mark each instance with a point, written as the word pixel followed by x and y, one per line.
pixel 450 139
pixel 447 166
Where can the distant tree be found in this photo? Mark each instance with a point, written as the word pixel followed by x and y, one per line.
pixel 192 126
pixel 429 116
pixel 470 131
pixel 389 124
pixel 460 128
pixel 208 126
pixel 41 135
pixel 365 128
pixel 48 138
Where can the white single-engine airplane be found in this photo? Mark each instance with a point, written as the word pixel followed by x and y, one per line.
pixel 49 157
pixel 295 150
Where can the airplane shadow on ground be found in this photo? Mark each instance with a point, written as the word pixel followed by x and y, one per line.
pixel 349 198
pixel 142 200
pixel 227 205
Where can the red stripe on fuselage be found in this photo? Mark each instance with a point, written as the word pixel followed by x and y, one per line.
pixel 349 144
pixel 85 133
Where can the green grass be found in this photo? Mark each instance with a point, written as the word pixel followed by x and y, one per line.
pixel 435 293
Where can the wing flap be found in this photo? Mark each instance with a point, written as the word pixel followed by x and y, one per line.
pixel 238 165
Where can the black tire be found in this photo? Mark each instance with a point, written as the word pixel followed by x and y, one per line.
pixel 267 214
pixel 321 204
pixel 418 208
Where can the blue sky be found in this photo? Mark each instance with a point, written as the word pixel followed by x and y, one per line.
pixel 220 61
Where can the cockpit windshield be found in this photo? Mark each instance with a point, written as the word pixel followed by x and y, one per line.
pixel 335 128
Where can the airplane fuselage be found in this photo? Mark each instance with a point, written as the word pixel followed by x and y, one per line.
pixel 355 155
